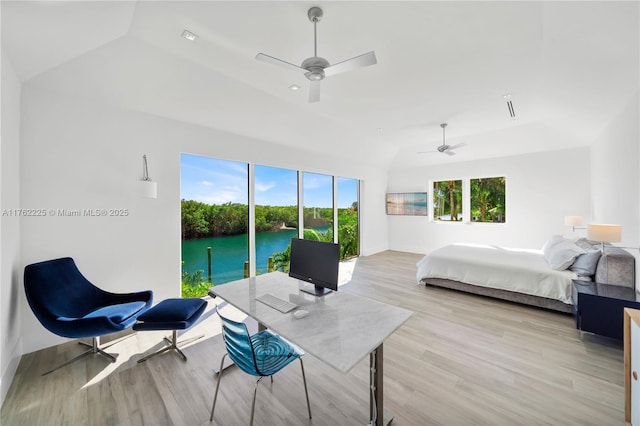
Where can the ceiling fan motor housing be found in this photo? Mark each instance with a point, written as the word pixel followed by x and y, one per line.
pixel 315 66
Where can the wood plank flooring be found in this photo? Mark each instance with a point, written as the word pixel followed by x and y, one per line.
pixel 460 359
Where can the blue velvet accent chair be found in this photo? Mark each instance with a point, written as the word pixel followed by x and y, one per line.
pixel 262 354
pixel 68 305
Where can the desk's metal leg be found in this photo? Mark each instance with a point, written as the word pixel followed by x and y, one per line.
pixel 376 396
pixel 378 416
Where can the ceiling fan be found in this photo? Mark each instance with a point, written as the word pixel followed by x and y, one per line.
pixel 317 68
pixel 444 148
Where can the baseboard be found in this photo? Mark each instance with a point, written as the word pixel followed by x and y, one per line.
pixel 372 250
pixel 409 249
pixel 10 372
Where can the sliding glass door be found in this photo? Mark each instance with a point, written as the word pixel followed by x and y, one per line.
pixel 215 216
pixel 348 220
pixel 276 206
pixel 317 195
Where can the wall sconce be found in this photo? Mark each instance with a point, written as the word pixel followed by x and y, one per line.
pixel 604 233
pixel 574 222
pixel 146 187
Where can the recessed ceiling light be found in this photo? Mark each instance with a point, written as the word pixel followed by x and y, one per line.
pixel 294 87
pixel 189 35
pixel 380 129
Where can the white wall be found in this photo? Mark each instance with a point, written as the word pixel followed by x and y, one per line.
pixel 615 179
pixel 78 155
pixel 541 189
pixel 10 263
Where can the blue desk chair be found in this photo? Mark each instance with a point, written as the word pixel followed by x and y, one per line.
pixel 68 305
pixel 260 355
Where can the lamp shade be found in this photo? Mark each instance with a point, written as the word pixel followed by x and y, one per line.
pixel 573 220
pixel 147 189
pixel 604 232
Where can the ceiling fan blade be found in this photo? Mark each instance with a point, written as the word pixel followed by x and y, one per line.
pixel 449 152
pixel 457 146
pixel 314 91
pixel 363 60
pixel 275 61
pixel 426 152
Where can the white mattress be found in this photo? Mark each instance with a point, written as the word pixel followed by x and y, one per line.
pixel 520 270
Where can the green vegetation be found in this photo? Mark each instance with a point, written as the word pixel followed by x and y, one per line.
pixel 488 200
pixel 200 220
pixel 447 199
pixel 347 237
pixel 193 284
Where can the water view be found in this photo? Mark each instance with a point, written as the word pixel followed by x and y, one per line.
pixel 230 253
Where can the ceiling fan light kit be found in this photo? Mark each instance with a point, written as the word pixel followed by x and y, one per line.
pixel 316 68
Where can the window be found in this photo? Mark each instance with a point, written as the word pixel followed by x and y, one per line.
pixel 318 206
pixel 488 200
pixel 276 199
pixel 447 201
pixel 215 214
pixel 215 218
pixel 348 228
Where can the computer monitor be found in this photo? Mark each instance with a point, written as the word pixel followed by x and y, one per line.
pixel 315 263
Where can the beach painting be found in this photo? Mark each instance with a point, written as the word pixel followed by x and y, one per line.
pixel 407 203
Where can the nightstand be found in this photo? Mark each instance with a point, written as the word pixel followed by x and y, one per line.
pixel 599 308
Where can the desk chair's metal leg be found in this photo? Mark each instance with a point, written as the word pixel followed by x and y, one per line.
pixel 253 404
pixel 304 380
pixel 93 349
pixel 215 395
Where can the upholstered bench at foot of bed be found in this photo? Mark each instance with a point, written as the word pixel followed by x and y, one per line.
pixel 171 314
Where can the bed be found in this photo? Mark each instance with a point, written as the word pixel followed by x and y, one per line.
pixel 525 275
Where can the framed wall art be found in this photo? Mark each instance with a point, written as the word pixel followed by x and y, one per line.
pixel 407 203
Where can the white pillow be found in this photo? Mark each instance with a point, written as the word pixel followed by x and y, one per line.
pixel 562 254
pixel 555 239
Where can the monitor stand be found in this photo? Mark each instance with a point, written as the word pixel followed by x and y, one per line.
pixel 316 290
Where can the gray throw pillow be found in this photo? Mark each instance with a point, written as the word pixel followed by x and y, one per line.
pixel 585 264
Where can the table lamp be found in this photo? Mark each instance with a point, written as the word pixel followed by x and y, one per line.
pixel 573 221
pixel 604 233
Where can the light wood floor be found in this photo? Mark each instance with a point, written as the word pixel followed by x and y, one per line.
pixel 460 359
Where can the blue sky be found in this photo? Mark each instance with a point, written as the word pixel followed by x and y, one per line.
pixel 214 181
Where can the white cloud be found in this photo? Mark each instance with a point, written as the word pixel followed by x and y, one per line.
pixel 264 187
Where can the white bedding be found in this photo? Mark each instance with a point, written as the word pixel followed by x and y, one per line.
pixel 520 270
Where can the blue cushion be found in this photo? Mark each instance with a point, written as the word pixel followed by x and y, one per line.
pixel 116 313
pixel 173 310
pixel 585 264
pixel 172 314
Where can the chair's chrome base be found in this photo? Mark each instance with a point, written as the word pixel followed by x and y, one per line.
pixel 255 390
pixel 93 349
pixel 173 344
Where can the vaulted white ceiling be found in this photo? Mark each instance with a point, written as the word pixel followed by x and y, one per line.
pixel 569 66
